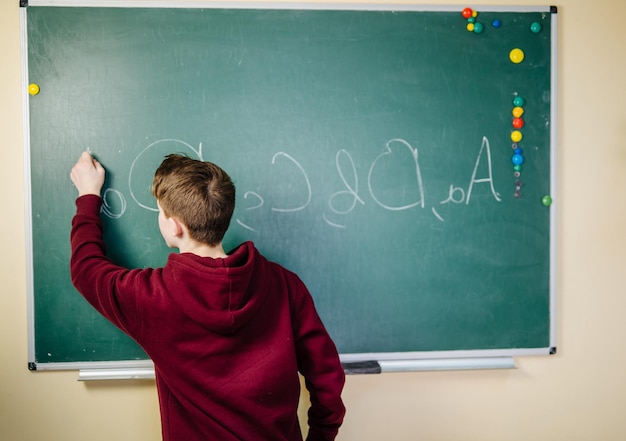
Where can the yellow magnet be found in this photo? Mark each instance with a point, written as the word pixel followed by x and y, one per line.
pixel 517 111
pixel 33 89
pixel 516 136
pixel 516 56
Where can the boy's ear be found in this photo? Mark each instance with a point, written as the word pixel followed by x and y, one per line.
pixel 177 227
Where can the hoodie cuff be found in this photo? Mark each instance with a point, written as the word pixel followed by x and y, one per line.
pixel 88 204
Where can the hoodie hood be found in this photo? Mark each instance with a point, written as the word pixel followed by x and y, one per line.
pixel 219 294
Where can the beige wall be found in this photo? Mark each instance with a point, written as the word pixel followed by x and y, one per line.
pixel 578 394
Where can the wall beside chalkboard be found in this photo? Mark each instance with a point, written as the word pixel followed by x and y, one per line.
pixel 373 153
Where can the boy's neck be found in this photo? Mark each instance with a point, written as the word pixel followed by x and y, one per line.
pixel 203 250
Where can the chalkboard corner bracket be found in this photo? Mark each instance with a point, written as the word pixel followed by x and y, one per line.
pixel 23 3
pixel 32 366
pixel 553 350
pixel 553 9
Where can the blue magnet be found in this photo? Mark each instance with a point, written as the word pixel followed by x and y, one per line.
pixel 496 23
pixel 517 159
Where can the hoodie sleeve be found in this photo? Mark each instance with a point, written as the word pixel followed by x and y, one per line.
pixel 101 282
pixel 319 363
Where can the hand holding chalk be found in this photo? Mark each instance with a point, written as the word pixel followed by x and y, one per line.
pixel 87 175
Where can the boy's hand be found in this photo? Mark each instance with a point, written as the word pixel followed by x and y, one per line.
pixel 87 175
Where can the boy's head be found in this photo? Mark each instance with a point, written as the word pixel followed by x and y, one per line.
pixel 199 194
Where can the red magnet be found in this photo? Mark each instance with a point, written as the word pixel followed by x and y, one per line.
pixel 467 12
pixel 518 123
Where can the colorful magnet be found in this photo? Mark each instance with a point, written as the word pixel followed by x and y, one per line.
pixel 33 89
pixel 516 56
pixel 518 123
pixel 467 12
pixel 496 23
pixel 478 28
pixel 517 112
pixel 519 101
pixel 535 27
pixel 516 136
pixel 546 200
pixel 517 159
pixel 470 27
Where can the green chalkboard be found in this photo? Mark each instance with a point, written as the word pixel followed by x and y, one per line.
pixel 371 150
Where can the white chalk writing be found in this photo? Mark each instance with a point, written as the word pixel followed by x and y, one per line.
pixel 342 201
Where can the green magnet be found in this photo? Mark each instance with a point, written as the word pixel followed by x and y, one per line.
pixel 546 200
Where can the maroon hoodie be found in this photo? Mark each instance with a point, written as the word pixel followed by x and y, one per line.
pixel 227 338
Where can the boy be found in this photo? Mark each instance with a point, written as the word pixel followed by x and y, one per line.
pixel 228 333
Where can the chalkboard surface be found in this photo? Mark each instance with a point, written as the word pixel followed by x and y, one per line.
pixel 372 153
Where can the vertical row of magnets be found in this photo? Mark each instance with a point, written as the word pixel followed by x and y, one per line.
pixel 516 138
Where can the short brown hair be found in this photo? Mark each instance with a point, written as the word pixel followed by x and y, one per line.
pixel 199 194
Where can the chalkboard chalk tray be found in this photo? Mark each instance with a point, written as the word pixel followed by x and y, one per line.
pixel 373 149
